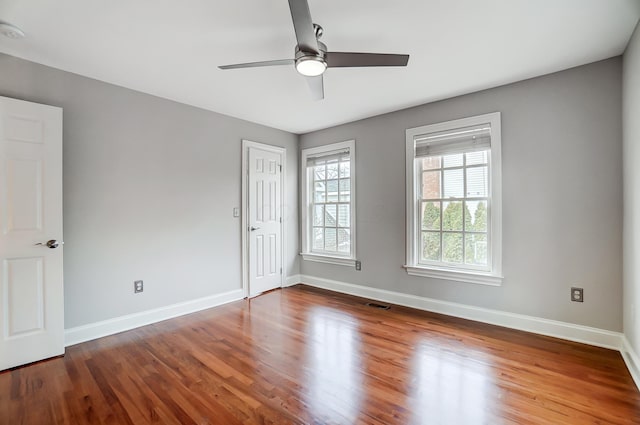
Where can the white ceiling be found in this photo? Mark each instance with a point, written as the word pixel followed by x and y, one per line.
pixel 172 49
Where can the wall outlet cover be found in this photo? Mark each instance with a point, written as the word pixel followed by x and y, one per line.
pixel 577 295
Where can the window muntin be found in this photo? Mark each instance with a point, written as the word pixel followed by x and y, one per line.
pixel 328 204
pixel 331 205
pixel 454 207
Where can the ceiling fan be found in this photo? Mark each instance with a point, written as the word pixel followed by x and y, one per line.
pixel 311 57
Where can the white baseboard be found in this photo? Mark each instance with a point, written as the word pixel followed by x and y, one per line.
pixel 568 331
pixel 131 321
pixel 292 280
pixel 632 360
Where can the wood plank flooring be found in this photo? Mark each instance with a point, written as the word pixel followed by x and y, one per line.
pixel 306 356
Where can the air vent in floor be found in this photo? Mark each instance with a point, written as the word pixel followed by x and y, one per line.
pixel 380 306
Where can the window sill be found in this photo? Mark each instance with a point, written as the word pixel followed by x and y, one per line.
pixel 457 275
pixel 341 261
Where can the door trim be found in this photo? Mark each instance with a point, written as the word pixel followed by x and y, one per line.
pixel 246 144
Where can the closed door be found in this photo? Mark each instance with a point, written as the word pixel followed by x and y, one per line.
pixel 264 220
pixel 31 283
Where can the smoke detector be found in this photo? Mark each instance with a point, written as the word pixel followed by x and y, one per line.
pixel 11 31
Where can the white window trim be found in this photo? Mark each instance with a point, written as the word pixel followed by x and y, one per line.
pixel 342 260
pixel 494 277
pixel 327 259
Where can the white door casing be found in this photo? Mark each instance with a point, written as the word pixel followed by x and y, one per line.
pixel 263 227
pixel 31 279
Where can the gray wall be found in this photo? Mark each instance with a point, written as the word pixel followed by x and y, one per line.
pixel 631 149
pixel 150 185
pixel 562 196
pixel 149 189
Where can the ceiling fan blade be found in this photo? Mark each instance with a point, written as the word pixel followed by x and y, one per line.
pixel 316 85
pixel 305 34
pixel 257 64
pixel 349 59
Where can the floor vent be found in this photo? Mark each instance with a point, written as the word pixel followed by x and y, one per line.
pixel 380 306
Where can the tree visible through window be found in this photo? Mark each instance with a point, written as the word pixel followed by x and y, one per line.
pixel 459 234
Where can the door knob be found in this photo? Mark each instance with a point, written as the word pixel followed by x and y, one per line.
pixel 253 228
pixel 51 243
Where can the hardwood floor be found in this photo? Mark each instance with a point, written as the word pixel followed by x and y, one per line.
pixel 303 355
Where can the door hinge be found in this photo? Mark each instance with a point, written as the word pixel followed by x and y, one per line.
pixel 280 219
pixel 280 270
pixel 280 167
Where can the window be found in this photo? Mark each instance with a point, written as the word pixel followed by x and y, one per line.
pixel 454 200
pixel 328 207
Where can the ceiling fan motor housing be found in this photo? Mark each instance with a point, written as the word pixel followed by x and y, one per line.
pixel 321 53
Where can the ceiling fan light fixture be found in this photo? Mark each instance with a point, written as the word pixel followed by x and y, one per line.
pixel 311 66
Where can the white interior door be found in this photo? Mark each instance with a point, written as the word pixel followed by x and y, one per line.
pixel 31 291
pixel 264 220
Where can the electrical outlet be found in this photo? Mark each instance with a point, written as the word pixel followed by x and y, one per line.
pixel 236 212
pixel 358 265
pixel 577 295
pixel 138 286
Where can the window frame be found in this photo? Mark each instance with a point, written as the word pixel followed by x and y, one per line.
pixel 346 259
pixel 464 273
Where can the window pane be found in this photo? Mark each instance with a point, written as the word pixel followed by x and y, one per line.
pixel 318 238
pixel 476 249
pixel 431 246
pixel 453 185
pixel 330 239
pixel 431 216
pixel 332 170
pixel 476 216
pixel 344 240
pixel 431 185
pixel 327 193
pixel 330 216
pixel 454 160
pixel 318 173
pixel 476 158
pixel 318 192
pixel 345 169
pixel 318 212
pixel 477 181
pixel 332 190
pixel 452 215
pixel 431 162
pixel 345 190
pixel 452 247
pixel 344 219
